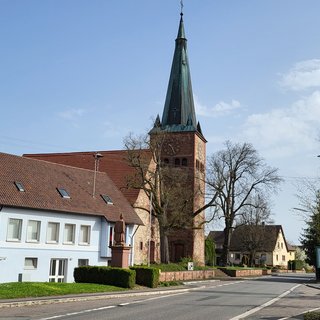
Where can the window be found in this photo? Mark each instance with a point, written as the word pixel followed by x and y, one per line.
pixel 14 229
pixel 277 257
pixel 197 165
pixel 184 162
pixel 69 231
pixel 83 262
pixel 53 232
pixel 281 245
pixel 63 193
pixel 33 231
pixel 84 234
pixel 237 256
pixel 141 245
pixel 107 199
pixel 166 161
pixel 177 162
pixel 283 258
pixel 19 186
pixel 30 263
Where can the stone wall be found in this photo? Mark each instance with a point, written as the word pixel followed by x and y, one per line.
pixel 186 275
pixel 247 272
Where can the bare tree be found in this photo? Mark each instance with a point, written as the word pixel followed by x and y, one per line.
pixel 166 186
pixel 250 225
pixel 234 175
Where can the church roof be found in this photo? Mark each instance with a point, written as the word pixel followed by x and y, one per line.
pixel 179 112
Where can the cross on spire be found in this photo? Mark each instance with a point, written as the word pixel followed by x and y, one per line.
pixel 181 5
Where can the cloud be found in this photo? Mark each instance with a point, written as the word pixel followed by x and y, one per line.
pixel 303 75
pixel 71 114
pixel 219 110
pixel 288 131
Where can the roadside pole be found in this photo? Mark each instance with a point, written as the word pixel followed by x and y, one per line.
pixel 317 263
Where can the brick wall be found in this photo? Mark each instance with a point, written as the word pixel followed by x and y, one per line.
pixel 186 275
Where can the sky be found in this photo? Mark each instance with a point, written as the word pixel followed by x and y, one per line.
pixel 80 75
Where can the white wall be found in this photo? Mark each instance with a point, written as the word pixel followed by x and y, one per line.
pixel 13 253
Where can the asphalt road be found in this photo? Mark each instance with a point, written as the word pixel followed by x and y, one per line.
pixel 275 297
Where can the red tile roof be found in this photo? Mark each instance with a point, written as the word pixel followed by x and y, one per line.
pixel 114 163
pixel 41 180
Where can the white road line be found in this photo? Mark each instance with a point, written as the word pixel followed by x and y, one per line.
pixel 77 313
pixel 268 303
pixel 135 302
pixel 110 307
pixel 300 314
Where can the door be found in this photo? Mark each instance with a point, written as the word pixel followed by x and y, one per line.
pixel 178 252
pixel 58 268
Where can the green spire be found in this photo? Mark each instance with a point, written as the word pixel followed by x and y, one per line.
pixel 179 114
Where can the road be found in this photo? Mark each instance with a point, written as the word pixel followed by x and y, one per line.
pixel 275 297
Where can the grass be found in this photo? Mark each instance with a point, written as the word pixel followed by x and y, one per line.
pixel 15 290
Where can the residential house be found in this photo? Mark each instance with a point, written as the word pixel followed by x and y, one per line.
pixel 259 245
pixel 54 218
pixel 115 164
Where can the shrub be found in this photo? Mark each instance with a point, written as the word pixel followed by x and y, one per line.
pixel 295 265
pixel 312 316
pixel 119 277
pixel 209 252
pixel 146 276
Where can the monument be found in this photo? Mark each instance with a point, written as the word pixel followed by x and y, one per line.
pixel 120 252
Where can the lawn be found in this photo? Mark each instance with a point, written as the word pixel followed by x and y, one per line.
pixel 14 290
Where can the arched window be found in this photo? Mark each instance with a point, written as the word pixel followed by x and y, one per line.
pixel 184 162
pixel 197 164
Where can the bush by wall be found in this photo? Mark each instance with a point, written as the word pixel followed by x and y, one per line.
pixel 210 252
pixel 119 277
pixel 146 276
pixel 295 264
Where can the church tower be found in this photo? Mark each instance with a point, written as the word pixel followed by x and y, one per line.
pixel 184 146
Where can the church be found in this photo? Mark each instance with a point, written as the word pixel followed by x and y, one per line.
pixel 185 147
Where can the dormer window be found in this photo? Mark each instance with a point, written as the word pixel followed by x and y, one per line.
pixel 63 193
pixel 106 199
pixel 19 186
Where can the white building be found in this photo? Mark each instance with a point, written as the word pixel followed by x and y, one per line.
pixel 54 218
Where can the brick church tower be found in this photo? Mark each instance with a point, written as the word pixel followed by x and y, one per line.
pixel 184 146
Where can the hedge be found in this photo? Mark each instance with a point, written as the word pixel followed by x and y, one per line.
pixel 119 277
pixel 147 276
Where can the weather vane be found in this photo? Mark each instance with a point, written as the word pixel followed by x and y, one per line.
pixel 181 5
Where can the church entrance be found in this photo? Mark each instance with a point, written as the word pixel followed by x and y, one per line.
pixel 178 250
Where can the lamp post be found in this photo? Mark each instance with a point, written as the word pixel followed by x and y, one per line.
pixel 97 157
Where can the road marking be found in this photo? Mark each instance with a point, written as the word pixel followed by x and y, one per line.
pixel 110 307
pixel 182 291
pixel 311 310
pixel 268 303
pixel 77 313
